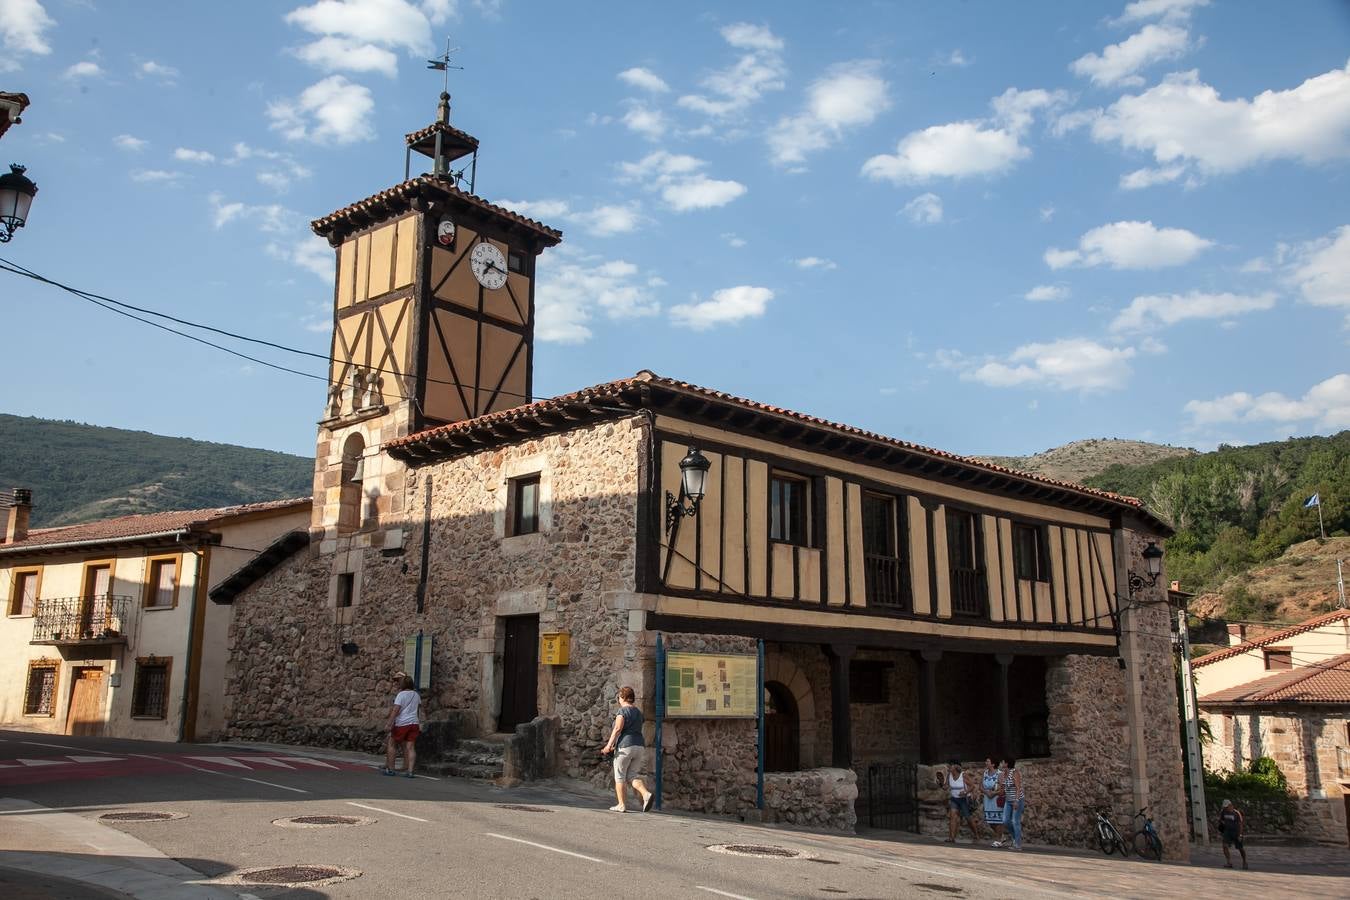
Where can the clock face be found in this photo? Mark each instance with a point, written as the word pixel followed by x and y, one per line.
pixel 488 265
pixel 445 231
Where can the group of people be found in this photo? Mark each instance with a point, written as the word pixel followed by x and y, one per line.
pixel 1001 798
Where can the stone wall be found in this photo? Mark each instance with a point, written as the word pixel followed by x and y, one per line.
pixel 813 798
pixel 289 682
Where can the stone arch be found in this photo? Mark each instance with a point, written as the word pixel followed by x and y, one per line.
pixel 351 487
pixel 783 670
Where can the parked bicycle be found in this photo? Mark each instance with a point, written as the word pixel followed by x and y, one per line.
pixel 1146 841
pixel 1105 837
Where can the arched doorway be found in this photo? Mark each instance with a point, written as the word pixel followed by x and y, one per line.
pixel 781 729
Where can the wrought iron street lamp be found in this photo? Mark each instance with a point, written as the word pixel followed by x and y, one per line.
pixel 16 196
pixel 1153 556
pixel 693 479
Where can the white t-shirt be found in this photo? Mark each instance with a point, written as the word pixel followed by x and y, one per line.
pixel 407 703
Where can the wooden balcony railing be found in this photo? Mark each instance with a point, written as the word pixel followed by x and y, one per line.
pixel 887 582
pixel 970 595
pixel 100 619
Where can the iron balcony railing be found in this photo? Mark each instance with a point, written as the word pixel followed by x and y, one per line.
pixel 887 582
pixel 90 620
pixel 969 593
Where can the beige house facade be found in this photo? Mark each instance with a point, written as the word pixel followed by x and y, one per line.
pixel 108 627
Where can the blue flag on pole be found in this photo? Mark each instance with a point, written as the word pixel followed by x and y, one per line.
pixel 1314 500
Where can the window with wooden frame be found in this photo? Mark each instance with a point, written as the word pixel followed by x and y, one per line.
pixel 883 555
pixel 39 696
pixel 790 509
pixel 150 696
pixel 515 261
pixel 346 590
pixel 1279 658
pixel 161 583
pixel 1031 556
pixel 524 505
pixel 23 596
pixel 968 590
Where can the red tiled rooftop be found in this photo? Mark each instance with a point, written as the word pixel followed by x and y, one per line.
pixel 1327 681
pixel 1272 638
pixel 129 528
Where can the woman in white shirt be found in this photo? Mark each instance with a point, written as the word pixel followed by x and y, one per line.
pixel 403 728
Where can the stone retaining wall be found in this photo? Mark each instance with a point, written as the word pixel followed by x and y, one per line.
pixel 814 798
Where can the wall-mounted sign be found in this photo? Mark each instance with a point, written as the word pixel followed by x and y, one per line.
pixel 554 648
pixel 711 686
pixel 418 666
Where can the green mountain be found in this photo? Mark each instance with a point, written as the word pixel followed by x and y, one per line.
pixel 82 472
pixel 1080 460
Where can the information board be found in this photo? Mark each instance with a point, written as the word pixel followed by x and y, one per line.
pixel 422 678
pixel 711 686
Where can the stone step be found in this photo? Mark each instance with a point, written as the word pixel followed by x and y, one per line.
pixel 465 770
pixel 478 745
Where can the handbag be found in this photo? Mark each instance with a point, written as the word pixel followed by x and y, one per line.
pixel 1001 801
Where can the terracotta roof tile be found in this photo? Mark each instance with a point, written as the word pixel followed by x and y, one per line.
pixel 129 528
pixel 610 390
pixel 400 196
pixel 413 137
pixel 1272 638
pixel 1325 682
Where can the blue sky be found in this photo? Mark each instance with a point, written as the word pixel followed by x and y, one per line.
pixel 987 227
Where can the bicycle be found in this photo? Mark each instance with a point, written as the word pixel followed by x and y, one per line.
pixel 1105 837
pixel 1146 841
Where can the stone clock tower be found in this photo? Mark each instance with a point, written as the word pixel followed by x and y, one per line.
pixel 433 322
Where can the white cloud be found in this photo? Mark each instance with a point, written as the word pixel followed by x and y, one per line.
pixel 1184 121
pixel 760 69
pixel 964 149
pixel 84 69
pixel 156 176
pixel 680 180
pixel 1119 63
pixel 1043 293
pixel 1151 311
pixel 609 219
pixel 570 294
pixel 1327 404
pixel 1070 364
pixel 23 25
pixel 642 119
pixel 332 109
pixel 644 79
pixel 335 54
pixel 152 69
pixel 196 156
pixel 130 143
pixel 1167 10
pixel 537 209
pixel 270 218
pixel 733 240
pixel 848 95
pixel 726 307
pixel 815 262
pixel 958 59
pixel 1130 245
pixel 925 209
pixel 1321 269
pixel 310 253
pixel 1143 178
pixel 1047 213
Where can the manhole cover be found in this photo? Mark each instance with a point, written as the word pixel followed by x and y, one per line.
pixel 322 821
pixel 761 851
pixel 141 816
pixel 293 876
pixel 518 808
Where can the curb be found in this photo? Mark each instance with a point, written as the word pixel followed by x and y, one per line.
pixel 108 873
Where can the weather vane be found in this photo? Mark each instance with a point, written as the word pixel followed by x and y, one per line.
pixel 442 63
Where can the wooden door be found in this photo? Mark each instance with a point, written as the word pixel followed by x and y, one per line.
pixel 86 702
pixel 97 585
pixel 520 672
pixel 782 735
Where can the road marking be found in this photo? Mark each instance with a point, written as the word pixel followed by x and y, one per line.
pixel 270 784
pixel 312 762
pixel 94 759
pixel 44 762
pixel 268 761
pixel 721 893
pixel 65 747
pixel 505 837
pixel 958 875
pixel 47 809
pixel 220 760
pixel 388 812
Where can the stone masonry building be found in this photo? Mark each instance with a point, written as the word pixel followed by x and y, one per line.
pixel 913 605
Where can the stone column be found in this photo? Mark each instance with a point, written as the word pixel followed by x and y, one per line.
pixel 1004 713
pixel 928 705
pixel 841 721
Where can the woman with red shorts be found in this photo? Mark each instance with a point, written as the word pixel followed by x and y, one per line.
pixel 403 728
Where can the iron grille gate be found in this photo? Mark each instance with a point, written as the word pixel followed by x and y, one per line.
pixel 893 796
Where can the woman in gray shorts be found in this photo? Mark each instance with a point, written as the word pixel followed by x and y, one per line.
pixel 625 741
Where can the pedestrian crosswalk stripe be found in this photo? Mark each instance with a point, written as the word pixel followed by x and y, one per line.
pixel 45 762
pixel 221 761
pixel 312 762
pixel 93 759
pixel 268 761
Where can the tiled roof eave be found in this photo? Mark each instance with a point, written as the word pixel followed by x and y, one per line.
pixel 27 548
pixel 1246 646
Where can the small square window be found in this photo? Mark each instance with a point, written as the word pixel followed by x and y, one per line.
pixel 1030 559
pixel 515 261
pixel 39 699
pixel 524 501
pixel 346 590
pixel 23 598
pixel 1279 658
pixel 161 584
pixel 150 696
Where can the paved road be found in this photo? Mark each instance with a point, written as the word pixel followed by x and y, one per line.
pixel 446 837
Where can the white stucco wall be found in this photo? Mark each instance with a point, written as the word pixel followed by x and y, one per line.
pixel 1317 645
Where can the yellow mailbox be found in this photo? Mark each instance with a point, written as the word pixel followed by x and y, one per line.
pixel 554 647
